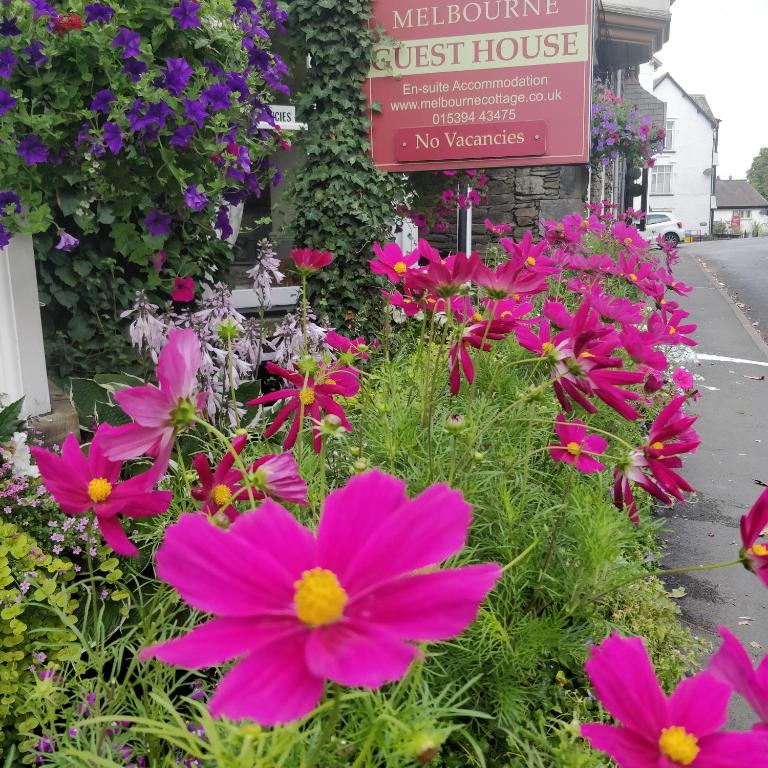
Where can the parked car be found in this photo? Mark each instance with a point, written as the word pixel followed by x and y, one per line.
pixel 665 224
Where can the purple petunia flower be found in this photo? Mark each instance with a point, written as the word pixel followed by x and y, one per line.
pixel 218 97
pixel 7 102
pixel 8 27
pixel 129 41
pixel 195 111
pixel 113 137
pixel 237 81
pixel 176 75
pixel 7 199
pixel 159 113
pixel 41 8
pixel 195 200
pixel 98 12
pixel 102 100
pixel 31 150
pixel 66 242
pixel 5 236
pixel 135 68
pixel 214 70
pixel 35 55
pixel 182 137
pixel 158 224
pixel 7 63
pixel 186 13
pixel 222 223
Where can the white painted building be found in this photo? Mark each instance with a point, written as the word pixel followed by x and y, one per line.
pixel 682 182
pixel 738 196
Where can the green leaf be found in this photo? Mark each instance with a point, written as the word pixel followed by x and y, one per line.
pixel 10 418
pixel 68 201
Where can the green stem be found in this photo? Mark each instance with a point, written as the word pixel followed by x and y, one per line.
pixel 304 312
pixel 330 726
pixel 230 360
pixel 519 559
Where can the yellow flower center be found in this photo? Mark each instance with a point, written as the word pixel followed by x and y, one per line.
pixel 585 223
pixel 547 347
pixel 663 302
pixel 633 277
pixel 678 745
pixel 221 495
pixel 759 549
pixel 530 261
pixel 477 317
pixel 628 241
pixel 328 382
pixel 672 330
pixel 99 489
pixel 658 446
pixel 586 354
pixel 307 396
pixel 516 296
pixel 319 598
pixel 400 267
pixel 505 313
pixel 574 449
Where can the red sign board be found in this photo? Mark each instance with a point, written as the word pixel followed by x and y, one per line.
pixel 473 73
pixel 736 220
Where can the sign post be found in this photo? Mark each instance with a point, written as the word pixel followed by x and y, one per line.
pixel 504 82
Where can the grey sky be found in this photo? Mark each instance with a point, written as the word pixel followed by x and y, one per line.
pixel 719 48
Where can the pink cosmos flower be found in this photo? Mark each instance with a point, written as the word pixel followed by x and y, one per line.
pixel 753 526
pixel 628 237
pixel 636 271
pixel 308 398
pixel 444 277
pixel 278 477
pixel 556 235
pixel 497 229
pixel 353 347
pixel 576 446
pixel 347 605
pixel 80 484
pixel 217 488
pixel 579 226
pixel 732 665
pixel 310 260
pixel 682 379
pixel 530 255
pixel 510 279
pixel 406 303
pixel 158 413
pixel 391 262
pixel 659 731
pixel 183 289
pixel 476 332
pixel 667 327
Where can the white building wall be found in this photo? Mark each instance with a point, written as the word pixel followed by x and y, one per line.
pixel 690 159
pixel 758 216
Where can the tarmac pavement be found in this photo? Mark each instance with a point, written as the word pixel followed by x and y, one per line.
pixel 733 425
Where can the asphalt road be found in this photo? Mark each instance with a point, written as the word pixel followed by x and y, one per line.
pixel 741 266
pixel 730 367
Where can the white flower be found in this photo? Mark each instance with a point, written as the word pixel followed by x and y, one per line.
pixel 21 458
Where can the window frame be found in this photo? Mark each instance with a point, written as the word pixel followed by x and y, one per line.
pixel 668 173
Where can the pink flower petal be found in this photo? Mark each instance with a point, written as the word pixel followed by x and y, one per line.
pixel 129 441
pixel 357 653
pixel 370 532
pixel 205 563
pixel 734 750
pixel 588 464
pixel 98 464
pixel 700 704
pixel 220 640
pixel 429 606
pixel 625 682
pixel 733 666
pixel 139 501
pixel 66 487
pixel 115 536
pixel 627 748
pixel 178 364
pixel 272 686
pixel 147 406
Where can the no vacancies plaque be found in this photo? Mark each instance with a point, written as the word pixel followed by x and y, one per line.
pixel 502 82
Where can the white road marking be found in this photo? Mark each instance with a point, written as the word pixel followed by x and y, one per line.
pixel 721 359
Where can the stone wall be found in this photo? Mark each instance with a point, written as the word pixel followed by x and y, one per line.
pixel 524 197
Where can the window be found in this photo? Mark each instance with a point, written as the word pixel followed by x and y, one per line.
pixel 746 214
pixel 661 180
pixel 657 218
pixel 669 141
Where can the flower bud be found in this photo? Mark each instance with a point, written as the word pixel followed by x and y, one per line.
pixel 455 425
pixel 360 465
pixel 354 450
pixel 228 330
pixel 330 424
pixel 425 746
pixel 307 365
pixel 478 456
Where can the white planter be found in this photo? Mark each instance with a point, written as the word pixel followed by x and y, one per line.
pixel 22 354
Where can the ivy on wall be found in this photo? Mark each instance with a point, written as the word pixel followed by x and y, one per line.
pixel 342 202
